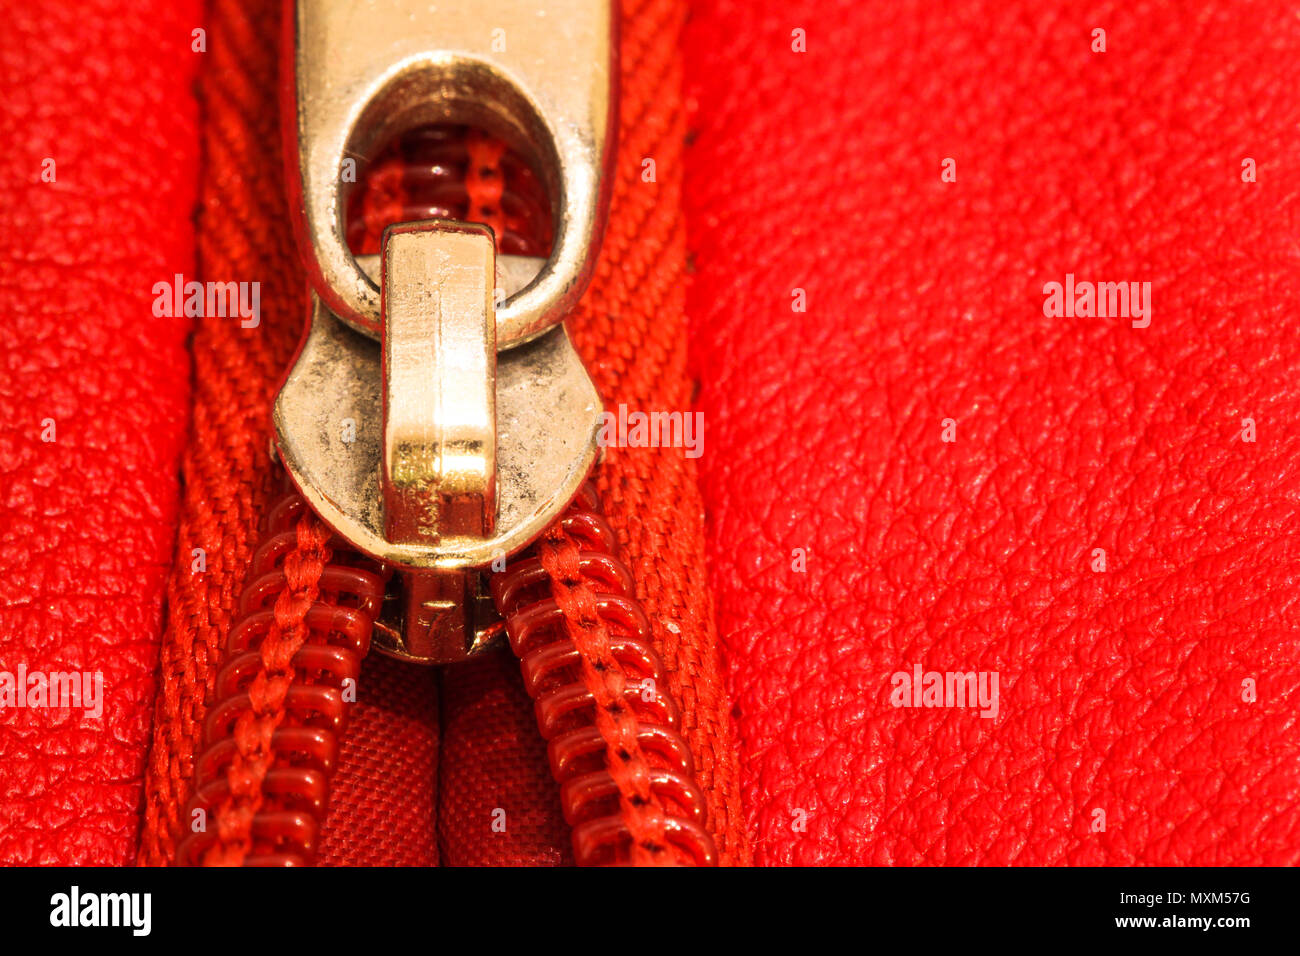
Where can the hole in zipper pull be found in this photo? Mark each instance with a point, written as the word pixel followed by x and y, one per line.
pixel 450 172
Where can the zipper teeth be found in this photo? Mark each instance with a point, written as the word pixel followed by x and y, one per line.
pixel 305 618
pixel 627 785
pixel 280 707
pixel 601 697
pixel 273 733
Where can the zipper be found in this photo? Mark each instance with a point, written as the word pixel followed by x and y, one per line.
pixel 437 429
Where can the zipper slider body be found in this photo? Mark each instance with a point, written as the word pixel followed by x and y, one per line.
pixel 437 416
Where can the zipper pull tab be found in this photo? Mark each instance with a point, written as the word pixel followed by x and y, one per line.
pixel 465 431
pixel 438 369
pixel 539 75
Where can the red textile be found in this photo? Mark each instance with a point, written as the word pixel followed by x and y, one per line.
pixel 630 328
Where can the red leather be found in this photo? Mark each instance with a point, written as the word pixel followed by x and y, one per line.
pixel 88 520
pixel 1120 690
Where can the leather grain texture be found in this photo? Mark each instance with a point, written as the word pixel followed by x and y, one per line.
pixel 1121 690
pixel 88 518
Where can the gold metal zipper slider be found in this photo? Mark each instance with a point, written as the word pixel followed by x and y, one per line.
pixel 463 432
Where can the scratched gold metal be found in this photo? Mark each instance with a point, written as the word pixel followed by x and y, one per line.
pixel 436 416
pixel 541 75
